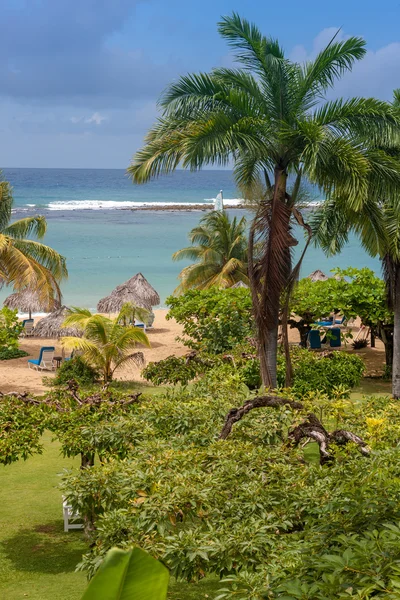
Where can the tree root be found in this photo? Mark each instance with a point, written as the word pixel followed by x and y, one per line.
pixel 236 414
pixel 313 429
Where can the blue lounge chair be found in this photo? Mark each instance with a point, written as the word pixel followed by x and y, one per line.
pixel 335 339
pixel 328 322
pixel 314 339
pixel 70 356
pixel 340 321
pixel 45 360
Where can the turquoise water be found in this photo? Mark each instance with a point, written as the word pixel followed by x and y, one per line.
pixel 106 246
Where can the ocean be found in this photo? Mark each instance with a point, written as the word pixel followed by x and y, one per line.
pixel 91 223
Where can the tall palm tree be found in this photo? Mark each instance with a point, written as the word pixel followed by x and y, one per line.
pixel 219 249
pixel 106 344
pixel 271 119
pixel 378 227
pixel 27 263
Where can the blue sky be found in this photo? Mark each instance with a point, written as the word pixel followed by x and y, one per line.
pixel 79 79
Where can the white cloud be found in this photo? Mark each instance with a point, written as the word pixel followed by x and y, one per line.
pixel 96 118
pixel 75 119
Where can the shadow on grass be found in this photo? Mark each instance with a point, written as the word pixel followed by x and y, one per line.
pixel 44 549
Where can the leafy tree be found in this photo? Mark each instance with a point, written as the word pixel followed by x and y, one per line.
pixel 22 423
pixel 269 117
pixel 219 249
pixel 106 343
pixel 355 293
pixel 377 225
pixel 213 320
pixel 25 262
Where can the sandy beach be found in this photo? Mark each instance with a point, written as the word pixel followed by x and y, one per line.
pixel 15 375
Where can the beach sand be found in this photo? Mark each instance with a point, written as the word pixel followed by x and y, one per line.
pixel 16 377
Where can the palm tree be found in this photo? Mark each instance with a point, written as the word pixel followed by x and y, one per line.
pixel 106 344
pixel 26 263
pixel 270 118
pixel 378 227
pixel 219 249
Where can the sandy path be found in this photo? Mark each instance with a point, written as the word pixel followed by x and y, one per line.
pixel 15 375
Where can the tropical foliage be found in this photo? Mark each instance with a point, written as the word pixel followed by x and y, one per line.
pixel 213 320
pixel 219 249
pixel 130 575
pixel 107 344
pixel 271 117
pixel 377 226
pixel 25 262
pixel 78 370
pixel 10 329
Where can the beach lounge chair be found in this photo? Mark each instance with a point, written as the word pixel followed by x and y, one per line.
pixel 71 356
pixel 28 328
pixel 141 325
pixel 314 339
pixel 341 321
pixel 326 322
pixel 45 360
pixel 334 338
pixel 69 515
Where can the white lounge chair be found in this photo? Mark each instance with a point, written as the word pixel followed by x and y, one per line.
pixel 69 515
pixel 29 328
pixel 45 360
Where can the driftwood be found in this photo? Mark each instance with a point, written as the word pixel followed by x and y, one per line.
pixel 236 414
pixel 312 429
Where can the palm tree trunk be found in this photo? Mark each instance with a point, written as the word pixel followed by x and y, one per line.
pixel 269 277
pixel 396 335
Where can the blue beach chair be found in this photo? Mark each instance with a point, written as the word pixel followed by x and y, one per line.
pixel 45 360
pixel 314 339
pixel 341 321
pixel 335 339
pixel 28 328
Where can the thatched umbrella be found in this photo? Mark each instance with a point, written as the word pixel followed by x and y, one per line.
pixel 51 326
pixel 239 284
pixel 29 301
pixel 317 276
pixel 136 290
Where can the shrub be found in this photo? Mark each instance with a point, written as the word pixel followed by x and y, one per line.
pixel 10 353
pixel 213 320
pixel 10 328
pixel 170 370
pixel 77 369
pixel 321 372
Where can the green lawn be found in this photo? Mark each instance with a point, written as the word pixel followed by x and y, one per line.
pixel 37 559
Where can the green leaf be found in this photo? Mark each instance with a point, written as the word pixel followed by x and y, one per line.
pixel 128 575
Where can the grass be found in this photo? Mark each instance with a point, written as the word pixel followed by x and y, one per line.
pixel 37 559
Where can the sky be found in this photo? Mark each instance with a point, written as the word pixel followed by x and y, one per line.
pixel 79 79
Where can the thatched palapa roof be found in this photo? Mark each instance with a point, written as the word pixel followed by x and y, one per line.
pixel 51 326
pixel 317 276
pixel 136 290
pixel 239 284
pixel 29 301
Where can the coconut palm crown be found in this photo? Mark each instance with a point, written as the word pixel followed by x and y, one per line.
pixel 106 343
pixel 219 249
pixel 27 263
pixel 270 117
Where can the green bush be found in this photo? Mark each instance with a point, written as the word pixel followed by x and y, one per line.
pixel 10 329
pixel 10 353
pixel 77 369
pixel 213 320
pixel 321 372
pixel 170 370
